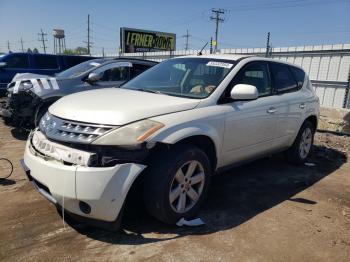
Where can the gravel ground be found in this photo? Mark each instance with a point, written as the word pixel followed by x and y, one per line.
pixel 267 210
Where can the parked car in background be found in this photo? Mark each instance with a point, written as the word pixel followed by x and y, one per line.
pixel 170 129
pixel 44 64
pixel 29 98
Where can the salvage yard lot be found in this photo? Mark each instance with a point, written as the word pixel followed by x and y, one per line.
pixel 267 210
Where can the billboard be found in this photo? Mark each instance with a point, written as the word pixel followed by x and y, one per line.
pixel 137 40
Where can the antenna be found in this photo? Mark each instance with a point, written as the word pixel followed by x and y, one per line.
pixel 200 52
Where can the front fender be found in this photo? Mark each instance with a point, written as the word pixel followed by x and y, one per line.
pixel 174 134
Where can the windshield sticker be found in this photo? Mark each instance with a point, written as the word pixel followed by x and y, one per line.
pixel 126 64
pixel 219 64
pixel 95 64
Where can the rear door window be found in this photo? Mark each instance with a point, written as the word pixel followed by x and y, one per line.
pixel 74 60
pixel 138 69
pixel 17 61
pixel 113 72
pixel 46 62
pixel 299 75
pixel 283 78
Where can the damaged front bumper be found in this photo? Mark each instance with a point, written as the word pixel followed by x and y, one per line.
pixel 91 192
pixel 20 106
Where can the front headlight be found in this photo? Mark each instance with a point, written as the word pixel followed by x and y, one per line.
pixel 26 86
pixel 131 134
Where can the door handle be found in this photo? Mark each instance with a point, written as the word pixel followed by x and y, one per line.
pixel 302 105
pixel 271 110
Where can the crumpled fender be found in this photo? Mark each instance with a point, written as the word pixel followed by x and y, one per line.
pixel 175 134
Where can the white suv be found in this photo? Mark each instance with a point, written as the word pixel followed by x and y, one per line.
pixel 172 127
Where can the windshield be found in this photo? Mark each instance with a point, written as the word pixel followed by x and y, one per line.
pixel 185 77
pixel 80 68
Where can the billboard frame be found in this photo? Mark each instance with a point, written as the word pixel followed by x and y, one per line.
pixel 123 41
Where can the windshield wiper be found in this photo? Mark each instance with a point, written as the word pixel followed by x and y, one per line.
pixel 149 91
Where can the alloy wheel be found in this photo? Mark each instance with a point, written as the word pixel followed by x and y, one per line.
pixel 187 186
pixel 305 143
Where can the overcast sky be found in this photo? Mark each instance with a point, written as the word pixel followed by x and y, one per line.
pixel 291 22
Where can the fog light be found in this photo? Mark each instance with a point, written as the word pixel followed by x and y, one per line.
pixel 84 207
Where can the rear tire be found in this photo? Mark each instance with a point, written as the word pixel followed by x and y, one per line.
pixel 176 183
pixel 302 146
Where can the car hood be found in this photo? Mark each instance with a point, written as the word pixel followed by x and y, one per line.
pixel 115 106
pixel 26 76
pixel 41 85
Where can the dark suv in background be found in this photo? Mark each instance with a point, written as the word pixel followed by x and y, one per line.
pixel 14 63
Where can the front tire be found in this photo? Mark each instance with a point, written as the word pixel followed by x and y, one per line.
pixel 177 183
pixel 302 146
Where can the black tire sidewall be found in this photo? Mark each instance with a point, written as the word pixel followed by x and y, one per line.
pixel 40 113
pixel 162 175
pixel 293 154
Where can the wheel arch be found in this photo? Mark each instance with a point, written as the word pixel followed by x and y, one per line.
pixel 204 137
pixel 312 119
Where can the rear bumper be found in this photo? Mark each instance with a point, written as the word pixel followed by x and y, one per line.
pixel 103 189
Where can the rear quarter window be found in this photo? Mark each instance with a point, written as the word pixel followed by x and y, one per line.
pixel 74 60
pixel 17 61
pixel 299 75
pixel 45 62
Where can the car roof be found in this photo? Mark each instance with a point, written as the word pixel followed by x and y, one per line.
pixel 218 56
pixel 128 59
pixel 236 57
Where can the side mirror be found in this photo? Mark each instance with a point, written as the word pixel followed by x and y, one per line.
pixel 244 92
pixel 3 64
pixel 93 77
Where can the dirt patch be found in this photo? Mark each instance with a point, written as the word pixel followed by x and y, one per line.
pixel 264 211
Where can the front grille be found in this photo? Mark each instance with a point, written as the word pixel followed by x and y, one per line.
pixel 69 131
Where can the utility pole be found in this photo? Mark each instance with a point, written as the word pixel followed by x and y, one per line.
pixel 103 52
pixel 267 54
pixel 187 36
pixel 8 46
pixel 211 45
pixel 88 36
pixel 88 42
pixel 42 38
pixel 216 16
pixel 22 45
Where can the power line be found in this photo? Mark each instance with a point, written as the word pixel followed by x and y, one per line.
pixel 280 4
pixel 218 19
pixel 187 36
pixel 42 38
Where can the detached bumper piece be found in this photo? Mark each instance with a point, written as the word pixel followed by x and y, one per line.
pixel 4 109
